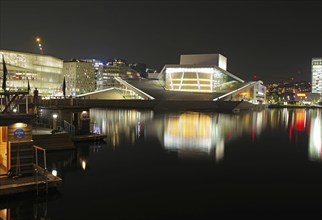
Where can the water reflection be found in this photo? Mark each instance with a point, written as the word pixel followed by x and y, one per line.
pixel 315 140
pixel 193 134
pixel 121 125
pixel 27 205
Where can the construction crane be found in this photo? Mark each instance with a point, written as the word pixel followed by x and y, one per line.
pixel 40 46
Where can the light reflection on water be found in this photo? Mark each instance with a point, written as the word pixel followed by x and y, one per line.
pixel 195 133
pixel 124 166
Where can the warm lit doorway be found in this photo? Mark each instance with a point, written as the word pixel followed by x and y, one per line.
pixel 3 150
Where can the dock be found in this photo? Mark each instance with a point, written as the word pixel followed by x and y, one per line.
pixel 51 142
pixel 61 141
pixel 9 185
pixel 89 137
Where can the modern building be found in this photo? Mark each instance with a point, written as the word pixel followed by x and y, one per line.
pixel 80 77
pixel 199 73
pixel 44 72
pixel 317 75
pixel 206 73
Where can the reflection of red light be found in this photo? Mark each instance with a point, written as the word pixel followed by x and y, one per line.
pixel 253 134
pixel 299 121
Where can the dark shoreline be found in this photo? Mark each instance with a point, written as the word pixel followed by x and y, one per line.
pixel 292 106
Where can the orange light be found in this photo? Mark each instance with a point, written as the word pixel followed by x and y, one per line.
pixel 38 39
pixel 242 94
pixel 301 94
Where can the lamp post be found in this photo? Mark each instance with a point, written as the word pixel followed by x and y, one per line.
pixel 55 121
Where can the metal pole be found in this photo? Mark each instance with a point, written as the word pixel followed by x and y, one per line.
pixel 27 104
pixel 45 160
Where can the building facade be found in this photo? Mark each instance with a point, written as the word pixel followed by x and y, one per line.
pixel 198 78
pixel 80 77
pixel 317 75
pixel 206 73
pixel 114 68
pixel 43 72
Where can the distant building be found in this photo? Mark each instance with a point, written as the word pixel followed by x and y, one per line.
pixel 80 77
pixel 44 72
pixel 317 75
pixel 114 68
pixel 140 68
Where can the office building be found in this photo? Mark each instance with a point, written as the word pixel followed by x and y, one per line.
pixel 44 72
pixel 317 75
pixel 80 77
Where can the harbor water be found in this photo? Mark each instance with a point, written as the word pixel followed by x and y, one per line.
pixel 188 165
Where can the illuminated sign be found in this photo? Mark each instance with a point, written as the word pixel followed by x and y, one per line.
pixel 84 114
pixel 19 133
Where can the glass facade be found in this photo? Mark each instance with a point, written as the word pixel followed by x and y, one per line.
pixel 44 72
pixel 317 75
pixel 80 77
pixel 206 79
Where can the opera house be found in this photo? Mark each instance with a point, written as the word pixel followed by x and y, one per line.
pixel 200 77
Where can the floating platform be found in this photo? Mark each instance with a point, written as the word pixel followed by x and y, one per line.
pixel 89 137
pixel 52 142
pixel 9 185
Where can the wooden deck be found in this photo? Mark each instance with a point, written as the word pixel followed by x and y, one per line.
pixel 9 185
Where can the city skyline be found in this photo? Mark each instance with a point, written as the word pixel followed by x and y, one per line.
pixel 273 41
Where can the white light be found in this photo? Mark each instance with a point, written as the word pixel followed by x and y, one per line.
pixel 54 172
pixel 83 164
pixel 191 70
pixel 14 110
pixel 55 116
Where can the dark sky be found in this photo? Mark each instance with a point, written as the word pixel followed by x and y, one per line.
pixel 272 39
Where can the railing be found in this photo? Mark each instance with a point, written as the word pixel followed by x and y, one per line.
pixel 71 129
pixel 38 168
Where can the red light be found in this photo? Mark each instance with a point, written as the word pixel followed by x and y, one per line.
pixel 300 121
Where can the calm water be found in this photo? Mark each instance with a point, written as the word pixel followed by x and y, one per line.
pixel 190 165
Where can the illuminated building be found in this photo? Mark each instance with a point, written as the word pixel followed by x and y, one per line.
pixel 80 77
pixel 44 72
pixel 206 73
pixel 114 68
pixel 317 75
pixel 199 73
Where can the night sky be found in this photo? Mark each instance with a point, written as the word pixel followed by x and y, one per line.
pixel 270 39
